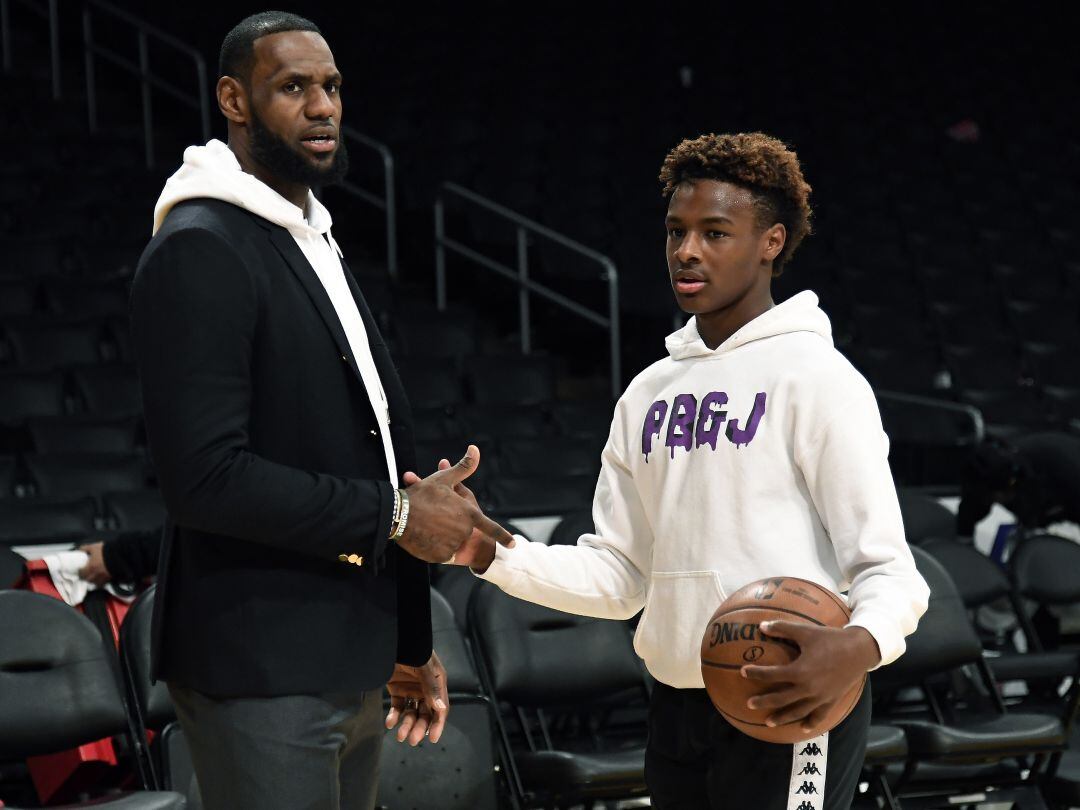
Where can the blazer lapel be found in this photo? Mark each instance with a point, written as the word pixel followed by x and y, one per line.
pixel 301 267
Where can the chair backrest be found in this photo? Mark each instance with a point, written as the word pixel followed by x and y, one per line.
pixel 80 435
pixel 571 527
pixel 1046 568
pixel 12 566
pixel 155 706
pixel 450 645
pixel 59 474
pixel 27 394
pixel 978 579
pixel 538 657
pixel 7 475
pixel 136 511
pixel 57 689
pixel 944 638
pixel 924 517
pixel 46 520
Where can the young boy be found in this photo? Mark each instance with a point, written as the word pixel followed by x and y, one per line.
pixel 753 450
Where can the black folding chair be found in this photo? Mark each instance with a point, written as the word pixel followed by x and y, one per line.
pixel 562 677
pixel 462 764
pixel 58 689
pixel 960 719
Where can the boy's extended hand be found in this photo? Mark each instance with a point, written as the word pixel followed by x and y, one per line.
pixel 478 550
pixel 830 661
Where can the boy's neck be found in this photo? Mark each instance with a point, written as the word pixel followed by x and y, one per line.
pixel 717 326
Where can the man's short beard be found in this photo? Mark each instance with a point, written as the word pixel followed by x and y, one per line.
pixel 285 162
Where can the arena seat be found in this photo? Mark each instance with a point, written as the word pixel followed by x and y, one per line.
pixel 571 527
pixel 501 380
pixel 85 297
pixel 589 419
pixel 134 511
pixel 36 521
pixel 169 760
pixel 8 468
pixel 494 423
pixel 953 726
pixel 885 745
pixel 924 516
pixel 25 394
pixel 431 383
pixel 538 661
pixel 981 583
pixel 464 759
pixel 18 298
pixel 563 457
pixel 58 344
pixel 82 434
pixel 539 494
pixel 68 474
pixel 58 690
pixel 11 567
pixel 109 390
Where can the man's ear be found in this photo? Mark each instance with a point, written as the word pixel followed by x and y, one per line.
pixel 232 99
pixel 772 242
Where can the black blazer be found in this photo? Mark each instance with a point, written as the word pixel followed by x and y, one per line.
pixel 271 465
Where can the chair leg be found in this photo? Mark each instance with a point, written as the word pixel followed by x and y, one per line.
pixel 886 791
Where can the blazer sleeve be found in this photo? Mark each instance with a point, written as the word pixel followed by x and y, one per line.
pixel 194 310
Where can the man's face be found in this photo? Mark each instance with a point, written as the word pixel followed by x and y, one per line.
pixel 295 114
pixel 714 245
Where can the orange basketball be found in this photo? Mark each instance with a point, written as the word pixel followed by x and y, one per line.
pixel 733 639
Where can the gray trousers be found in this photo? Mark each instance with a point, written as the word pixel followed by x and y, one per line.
pixel 288 753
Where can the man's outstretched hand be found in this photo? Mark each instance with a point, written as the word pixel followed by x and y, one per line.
pixel 442 518
pixel 478 550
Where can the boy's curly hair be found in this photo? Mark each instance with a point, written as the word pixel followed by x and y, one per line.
pixel 757 162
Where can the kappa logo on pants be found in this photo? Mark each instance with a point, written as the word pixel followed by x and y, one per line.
pixel 807 787
pixel 809 762
pixel 811 750
pixel 806 806
pixel 810 769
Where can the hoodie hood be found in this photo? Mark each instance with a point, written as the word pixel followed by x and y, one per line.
pixel 212 171
pixel 800 313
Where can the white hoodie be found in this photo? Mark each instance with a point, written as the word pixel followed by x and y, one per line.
pixel 212 171
pixel 763 457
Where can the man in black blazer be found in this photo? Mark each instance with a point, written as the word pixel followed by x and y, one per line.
pixel 293 573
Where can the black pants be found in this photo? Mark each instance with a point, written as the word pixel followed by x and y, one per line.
pixel 696 760
pixel 299 752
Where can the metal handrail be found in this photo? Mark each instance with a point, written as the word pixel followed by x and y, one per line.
pixel 978 425
pixel 520 275
pixel 388 202
pixel 141 69
pixel 53 14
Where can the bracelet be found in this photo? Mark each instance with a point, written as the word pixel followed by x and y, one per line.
pixel 396 516
pixel 403 518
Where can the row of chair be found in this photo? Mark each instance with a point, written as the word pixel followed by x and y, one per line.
pixel 100 390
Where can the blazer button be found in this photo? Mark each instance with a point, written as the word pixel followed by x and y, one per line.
pixel 359 560
pixel 345 357
pixel 343 557
pixel 354 557
pixel 373 433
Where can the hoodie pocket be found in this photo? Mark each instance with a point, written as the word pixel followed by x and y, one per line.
pixel 677 610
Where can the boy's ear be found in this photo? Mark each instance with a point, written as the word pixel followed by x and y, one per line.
pixel 772 242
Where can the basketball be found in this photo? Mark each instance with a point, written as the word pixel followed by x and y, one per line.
pixel 733 639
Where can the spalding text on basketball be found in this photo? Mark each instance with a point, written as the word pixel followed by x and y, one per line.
pixel 723 632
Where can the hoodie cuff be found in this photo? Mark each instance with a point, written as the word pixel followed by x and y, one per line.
pixel 889 638
pixel 501 572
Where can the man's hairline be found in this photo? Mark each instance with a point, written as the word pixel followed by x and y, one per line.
pixel 246 82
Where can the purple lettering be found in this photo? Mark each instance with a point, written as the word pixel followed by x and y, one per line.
pixel 710 418
pixel 681 423
pixel 654 420
pixel 741 437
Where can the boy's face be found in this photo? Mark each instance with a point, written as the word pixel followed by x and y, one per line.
pixel 717 254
